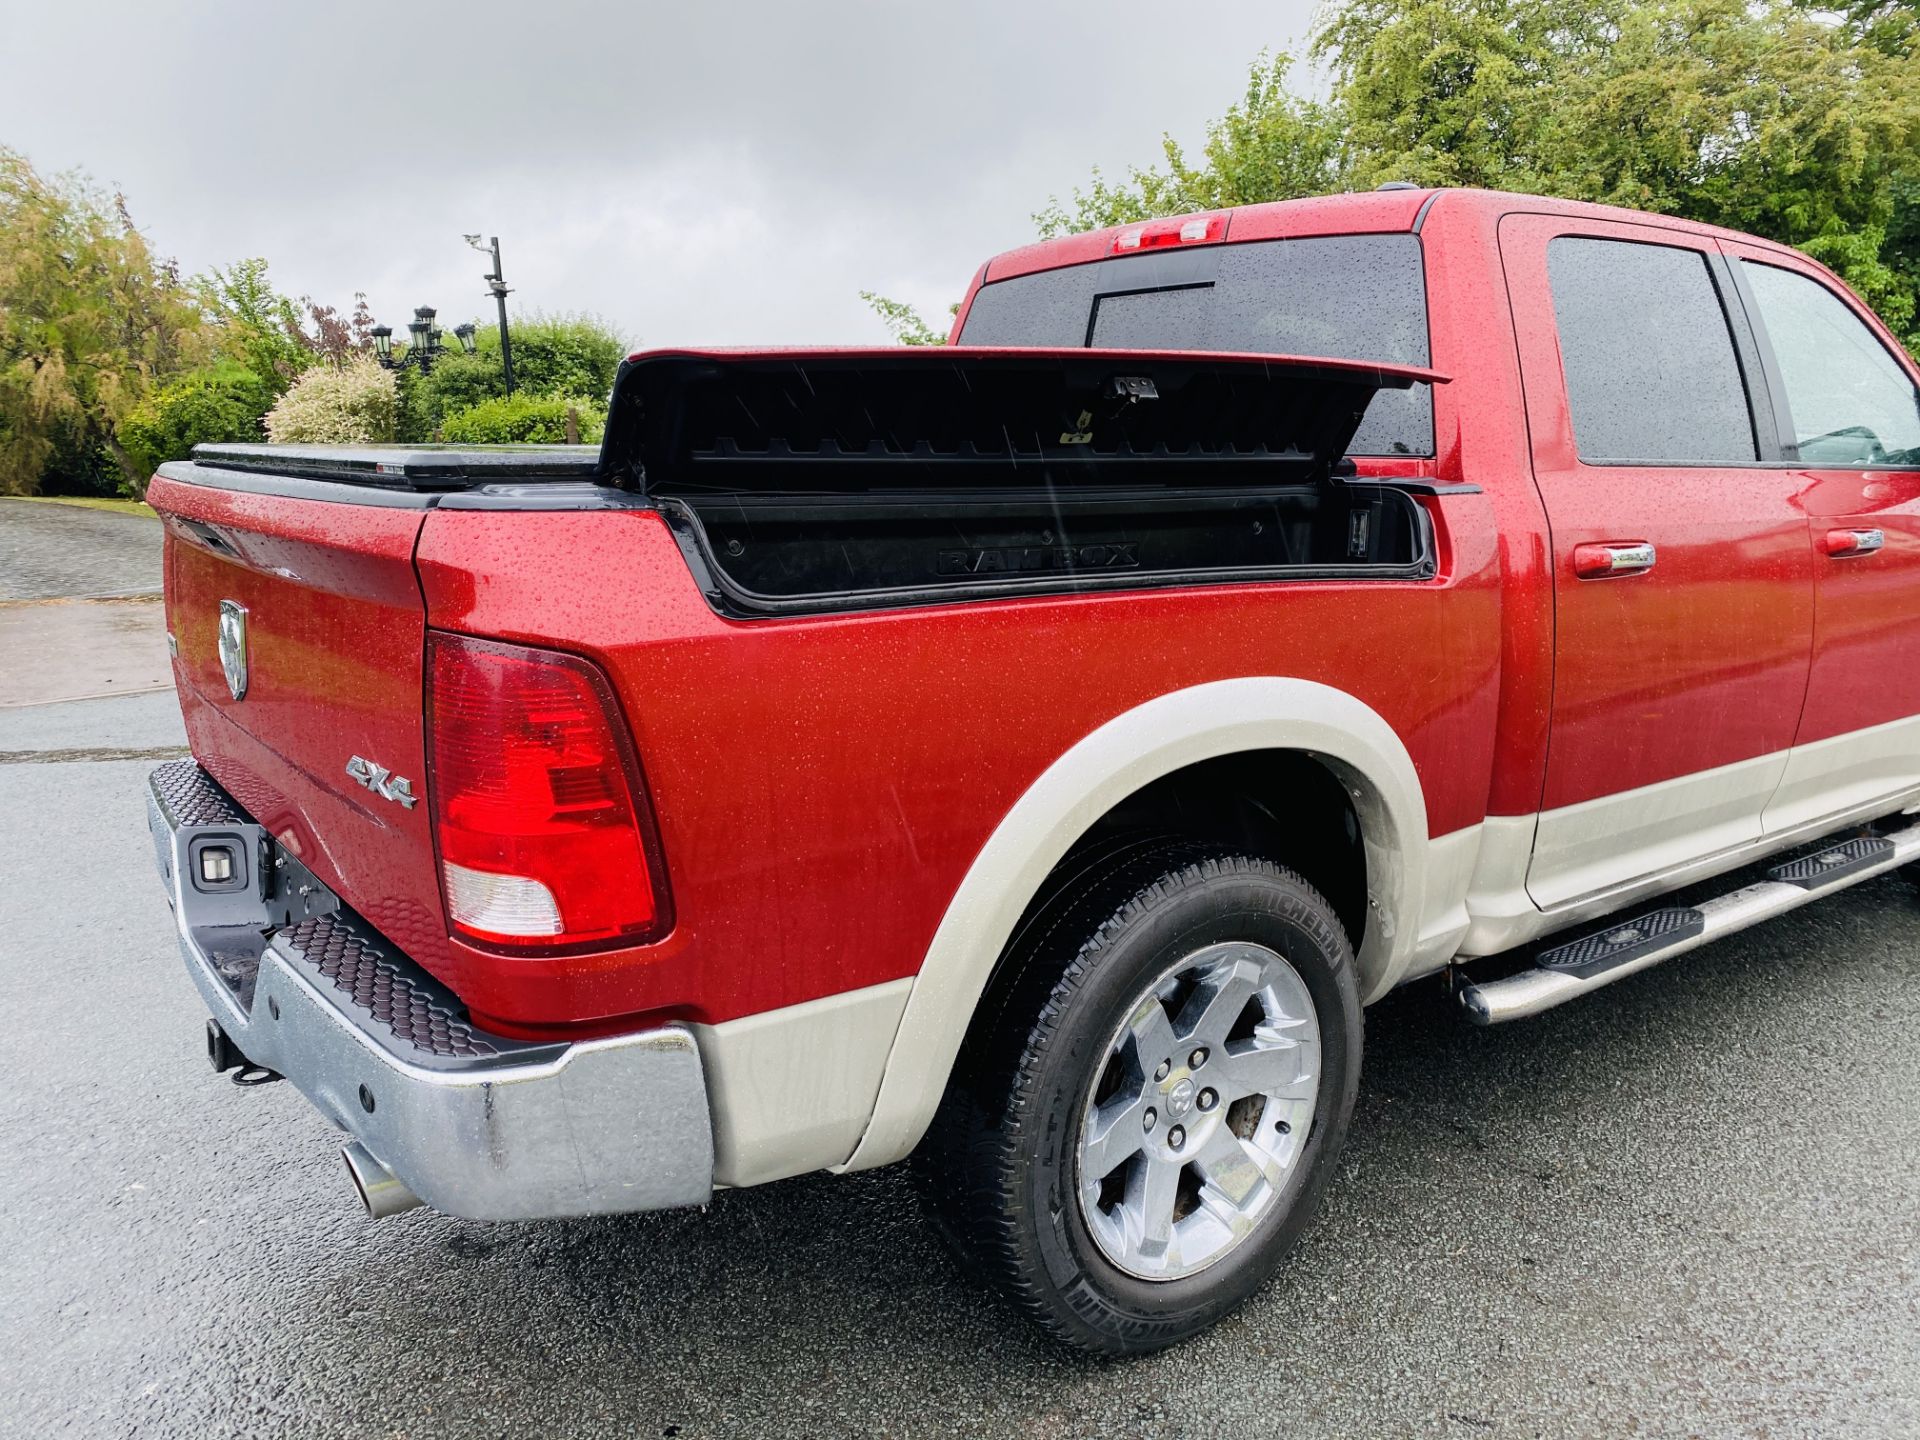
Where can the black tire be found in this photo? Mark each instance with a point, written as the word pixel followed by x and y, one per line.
pixel 997 1166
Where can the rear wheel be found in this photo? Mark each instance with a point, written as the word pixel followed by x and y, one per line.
pixel 1138 1133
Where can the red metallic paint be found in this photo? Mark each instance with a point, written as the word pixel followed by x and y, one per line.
pixel 822 785
pixel 336 635
pixel 1700 661
pixel 1480 433
pixel 1376 211
pixel 1866 665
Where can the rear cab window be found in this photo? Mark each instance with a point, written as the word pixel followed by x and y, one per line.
pixel 1651 372
pixel 1341 297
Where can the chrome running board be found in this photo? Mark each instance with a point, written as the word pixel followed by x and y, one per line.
pixel 1582 966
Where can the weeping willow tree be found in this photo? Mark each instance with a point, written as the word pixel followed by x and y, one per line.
pixel 90 321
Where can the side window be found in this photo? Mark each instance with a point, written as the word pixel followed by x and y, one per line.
pixel 1852 402
pixel 1650 365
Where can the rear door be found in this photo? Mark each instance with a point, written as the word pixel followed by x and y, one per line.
pixel 1682 580
pixel 1849 416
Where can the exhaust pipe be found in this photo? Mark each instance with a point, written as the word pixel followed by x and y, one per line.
pixel 381 1191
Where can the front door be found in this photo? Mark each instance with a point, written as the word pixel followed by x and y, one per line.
pixel 1848 406
pixel 1683 584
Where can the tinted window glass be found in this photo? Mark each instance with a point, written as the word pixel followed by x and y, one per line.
pixel 1852 402
pixel 1650 367
pixel 1345 297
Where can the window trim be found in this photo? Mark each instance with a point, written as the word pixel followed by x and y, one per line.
pixel 1787 437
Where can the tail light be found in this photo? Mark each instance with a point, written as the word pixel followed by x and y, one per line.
pixel 546 840
pixel 1180 230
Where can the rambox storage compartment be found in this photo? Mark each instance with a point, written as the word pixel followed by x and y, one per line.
pixel 773 552
pixel 828 481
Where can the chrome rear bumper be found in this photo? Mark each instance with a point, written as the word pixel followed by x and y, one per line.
pixel 475 1124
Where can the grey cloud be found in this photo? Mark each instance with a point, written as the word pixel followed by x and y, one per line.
pixel 696 173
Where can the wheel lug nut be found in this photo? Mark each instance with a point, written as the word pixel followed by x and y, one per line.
pixel 1177 1137
pixel 1208 1099
pixel 1166 1068
pixel 1197 1059
pixel 1148 1119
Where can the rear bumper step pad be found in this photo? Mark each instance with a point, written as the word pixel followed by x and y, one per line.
pixel 474 1124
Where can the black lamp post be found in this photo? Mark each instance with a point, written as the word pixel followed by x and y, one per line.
pixel 497 287
pixel 423 345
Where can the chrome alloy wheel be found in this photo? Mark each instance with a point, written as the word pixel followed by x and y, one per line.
pixel 1201 1107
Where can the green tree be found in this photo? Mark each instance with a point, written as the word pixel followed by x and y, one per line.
pixel 90 322
pixel 567 355
pixel 255 325
pixel 1762 117
pixel 903 322
pixel 1794 121
pixel 224 401
pixel 525 419
pixel 79 463
pixel 1892 26
pixel 559 354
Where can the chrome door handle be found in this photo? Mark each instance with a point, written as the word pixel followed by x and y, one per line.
pixel 1846 544
pixel 1596 562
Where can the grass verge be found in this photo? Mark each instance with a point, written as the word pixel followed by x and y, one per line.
pixel 93 502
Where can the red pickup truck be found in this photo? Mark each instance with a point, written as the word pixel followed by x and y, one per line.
pixel 1031 755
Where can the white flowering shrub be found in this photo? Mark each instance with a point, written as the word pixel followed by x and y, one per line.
pixel 355 404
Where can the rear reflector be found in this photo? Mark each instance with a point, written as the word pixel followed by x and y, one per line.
pixel 546 842
pixel 1180 230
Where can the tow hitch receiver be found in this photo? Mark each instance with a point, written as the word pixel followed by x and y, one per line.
pixel 224 1055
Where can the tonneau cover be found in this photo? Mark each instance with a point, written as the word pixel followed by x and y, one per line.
pixel 428 468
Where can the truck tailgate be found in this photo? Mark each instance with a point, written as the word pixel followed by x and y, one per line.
pixel 323 671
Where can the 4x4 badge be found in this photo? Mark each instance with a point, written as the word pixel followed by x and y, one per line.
pixel 382 781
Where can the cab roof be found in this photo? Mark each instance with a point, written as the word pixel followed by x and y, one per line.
pixel 1350 213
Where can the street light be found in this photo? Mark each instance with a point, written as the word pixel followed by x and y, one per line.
pixel 497 287
pixel 424 344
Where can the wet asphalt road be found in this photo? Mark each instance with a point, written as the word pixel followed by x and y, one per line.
pixel 48 550
pixel 1686 1206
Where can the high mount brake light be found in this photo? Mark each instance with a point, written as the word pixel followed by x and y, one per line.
pixel 1181 230
pixel 546 840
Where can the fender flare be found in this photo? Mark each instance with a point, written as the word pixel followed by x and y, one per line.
pixel 1135 748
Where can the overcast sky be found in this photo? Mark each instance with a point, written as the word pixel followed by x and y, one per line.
pixel 714 173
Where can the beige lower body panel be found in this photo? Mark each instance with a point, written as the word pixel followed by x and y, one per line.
pixel 1536 874
pixel 791 1090
pixel 1592 847
pixel 1845 773
pixel 799 1089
